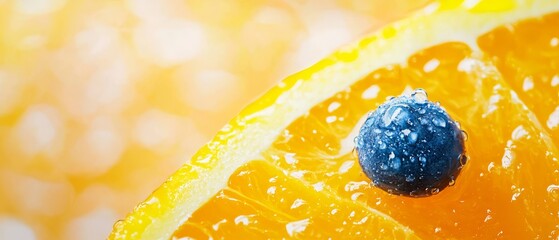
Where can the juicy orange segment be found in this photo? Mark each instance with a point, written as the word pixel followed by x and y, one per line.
pixel 527 55
pixel 301 135
pixel 269 204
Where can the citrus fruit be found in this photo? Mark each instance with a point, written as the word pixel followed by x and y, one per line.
pixel 284 167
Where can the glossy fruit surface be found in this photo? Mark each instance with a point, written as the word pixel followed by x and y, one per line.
pixel 410 146
pixel 284 167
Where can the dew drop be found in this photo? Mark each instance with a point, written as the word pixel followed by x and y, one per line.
pixel 431 65
pixel 516 194
pixel 381 145
pixel 463 159
pixel 118 223
pixel 439 122
pixel 371 92
pixel 271 190
pixel 406 132
pixel 555 81
pixel 519 132
pixel 528 84
pixel 553 119
pixel 390 115
pixel 298 174
pixel 452 182
pixel 419 95
pixel 331 119
pixel 318 186
pixel 297 203
pixel 354 186
pixel 415 193
pixel 356 195
pixel 410 178
pixel 344 168
pixel 333 106
pixel 553 189
pixel 383 166
pixel 354 153
pixel 396 163
pixel 405 152
pixel 412 137
pixel 435 190
pixel 296 227
pixel 464 135
pixel 490 166
pixel 242 219
pixel 508 158
pixel 554 42
pixel 423 161
pixel 334 211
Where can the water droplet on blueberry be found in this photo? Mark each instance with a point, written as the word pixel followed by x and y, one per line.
pixel 457 124
pixel 463 158
pixel 439 122
pixel 435 191
pixel 381 145
pixel 452 182
pixel 420 96
pixel 410 146
pixel 354 153
pixel 410 178
pixel 395 164
pixel 464 135
pixel 383 166
pixel 412 137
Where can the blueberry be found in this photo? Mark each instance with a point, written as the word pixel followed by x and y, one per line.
pixel 410 146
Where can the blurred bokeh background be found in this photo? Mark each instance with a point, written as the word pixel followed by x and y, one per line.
pixel 100 101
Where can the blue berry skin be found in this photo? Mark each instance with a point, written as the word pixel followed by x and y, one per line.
pixel 410 146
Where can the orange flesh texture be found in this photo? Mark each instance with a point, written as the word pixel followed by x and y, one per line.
pixel 528 58
pixel 283 207
pixel 507 189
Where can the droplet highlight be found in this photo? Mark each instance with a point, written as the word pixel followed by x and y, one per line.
pixel 419 95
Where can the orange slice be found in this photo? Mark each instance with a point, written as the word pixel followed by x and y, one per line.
pixel 284 167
